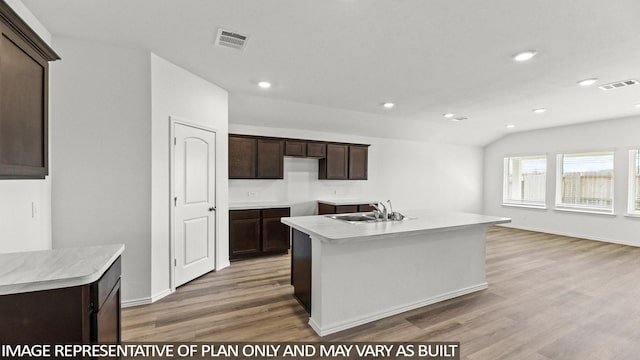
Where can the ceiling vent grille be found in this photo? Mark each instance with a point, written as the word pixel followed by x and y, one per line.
pixel 230 39
pixel 618 85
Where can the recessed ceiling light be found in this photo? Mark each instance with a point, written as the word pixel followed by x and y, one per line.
pixel 388 105
pixel 587 82
pixel 539 110
pixel 510 126
pixel 524 56
pixel 459 118
pixel 264 84
pixel 448 115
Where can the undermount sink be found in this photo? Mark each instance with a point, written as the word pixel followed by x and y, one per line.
pixel 365 217
pixel 362 218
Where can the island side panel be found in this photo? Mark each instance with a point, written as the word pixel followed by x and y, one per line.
pixel 359 281
pixel 301 268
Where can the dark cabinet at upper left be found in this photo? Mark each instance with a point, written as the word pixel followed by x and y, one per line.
pixel 24 74
pixel 254 158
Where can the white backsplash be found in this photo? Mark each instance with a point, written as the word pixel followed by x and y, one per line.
pixel 300 188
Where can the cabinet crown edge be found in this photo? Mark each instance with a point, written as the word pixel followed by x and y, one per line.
pixel 12 20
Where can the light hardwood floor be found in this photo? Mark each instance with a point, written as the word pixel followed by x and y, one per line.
pixel 549 297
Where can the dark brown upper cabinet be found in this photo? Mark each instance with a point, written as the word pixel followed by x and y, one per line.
pixel 243 157
pixel 344 162
pixel 301 148
pixel 24 78
pixel 295 148
pixel 336 165
pixel 316 150
pixel 358 162
pixel 259 157
pixel 255 158
pixel 270 159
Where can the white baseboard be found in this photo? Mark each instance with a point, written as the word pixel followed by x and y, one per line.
pixel 160 295
pixel 223 265
pixel 579 236
pixel 146 301
pixel 390 312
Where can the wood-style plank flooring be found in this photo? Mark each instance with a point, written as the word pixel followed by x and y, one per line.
pixel 549 297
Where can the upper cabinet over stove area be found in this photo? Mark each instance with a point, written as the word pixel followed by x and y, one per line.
pixel 259 157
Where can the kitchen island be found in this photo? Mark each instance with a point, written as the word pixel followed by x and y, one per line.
pixel 348 274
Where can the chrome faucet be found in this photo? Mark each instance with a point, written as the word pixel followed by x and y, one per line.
pixel 383 212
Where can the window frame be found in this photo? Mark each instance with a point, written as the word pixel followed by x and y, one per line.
pixel 506 201
pixel 634 189
pixel 560 206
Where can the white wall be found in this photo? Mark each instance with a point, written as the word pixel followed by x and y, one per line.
pixel 413 175
pixel 110 142
pixel 101 149
pixel 179 94
pixel 619 135
pixel 20 228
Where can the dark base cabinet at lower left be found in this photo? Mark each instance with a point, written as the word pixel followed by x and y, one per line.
pixel 80 314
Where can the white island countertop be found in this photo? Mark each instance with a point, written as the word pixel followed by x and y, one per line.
pixel 58 268
pixel 416 221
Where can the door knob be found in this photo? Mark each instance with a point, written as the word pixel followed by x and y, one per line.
pixel 212 208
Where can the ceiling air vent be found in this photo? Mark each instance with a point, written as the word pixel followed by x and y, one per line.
pixel 618 85
pixel 230 39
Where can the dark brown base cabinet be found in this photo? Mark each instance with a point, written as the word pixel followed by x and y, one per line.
pixel 328 209
pixel 257 232
pixel 80 314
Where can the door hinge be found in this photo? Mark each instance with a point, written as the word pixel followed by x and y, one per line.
pixel 175 262
pixel 175 141
pixel 175 201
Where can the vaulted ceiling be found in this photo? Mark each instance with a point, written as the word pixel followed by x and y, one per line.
pixel 332 63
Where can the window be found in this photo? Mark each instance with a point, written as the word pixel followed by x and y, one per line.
pixel 634 182
pixel 525 180
pixel 585 182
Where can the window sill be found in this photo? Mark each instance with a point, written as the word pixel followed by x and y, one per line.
pixel 585 211
pixel 528 206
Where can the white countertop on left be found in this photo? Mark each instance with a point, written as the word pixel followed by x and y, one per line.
pixel 58 268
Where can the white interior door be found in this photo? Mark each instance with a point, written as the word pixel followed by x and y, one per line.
pixel 194 202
